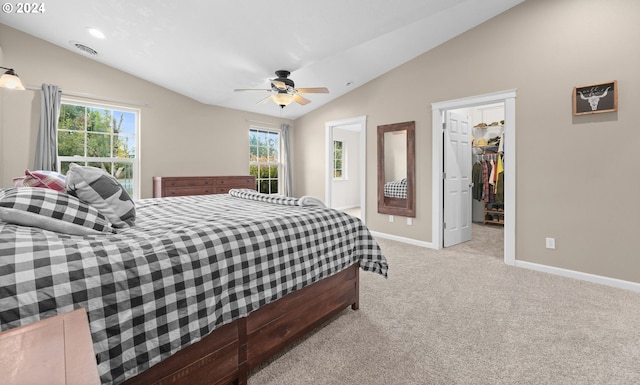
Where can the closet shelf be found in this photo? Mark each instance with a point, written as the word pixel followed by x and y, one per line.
pixel 493 216
pixel 494 222
pixel 488 149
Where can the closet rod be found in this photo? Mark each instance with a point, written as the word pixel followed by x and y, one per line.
pixel 76 94
pixel 487 156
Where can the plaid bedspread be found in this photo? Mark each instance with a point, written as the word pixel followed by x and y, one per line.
pixel 188 266
pixel 396 189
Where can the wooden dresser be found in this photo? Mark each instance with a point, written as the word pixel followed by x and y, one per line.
pixel 173 186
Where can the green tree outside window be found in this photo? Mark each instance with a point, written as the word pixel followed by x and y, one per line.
pixel 98 137
pixel 264 159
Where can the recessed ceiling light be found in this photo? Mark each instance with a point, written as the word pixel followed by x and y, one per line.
pixel 96 33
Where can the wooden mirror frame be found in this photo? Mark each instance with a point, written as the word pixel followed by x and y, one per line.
pixel 398 206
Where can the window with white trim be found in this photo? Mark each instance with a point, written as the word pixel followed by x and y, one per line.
pixel 338 160
pixel 264 159
pixel 100 136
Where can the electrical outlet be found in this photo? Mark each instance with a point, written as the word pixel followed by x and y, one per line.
pixel 409 221
pixel 391 218
pixel 551 243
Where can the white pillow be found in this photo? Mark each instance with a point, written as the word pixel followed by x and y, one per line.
pixel 102 191
pixel 51 210
pixel 308 200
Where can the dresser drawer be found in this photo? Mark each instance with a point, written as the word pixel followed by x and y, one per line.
pixel 199 185
pixel 181 191
pixel 236 181
pixel 221 190
pixel 187 182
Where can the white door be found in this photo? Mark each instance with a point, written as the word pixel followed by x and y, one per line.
pixel 457 179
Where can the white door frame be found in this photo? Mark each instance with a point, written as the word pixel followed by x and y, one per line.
pixel 360 121
pixel 509 99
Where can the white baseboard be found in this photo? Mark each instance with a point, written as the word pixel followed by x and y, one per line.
pixel 621 284
pixel 614 282
pixel 411 241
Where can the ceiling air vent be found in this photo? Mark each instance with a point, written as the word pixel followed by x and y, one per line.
pixel 84 49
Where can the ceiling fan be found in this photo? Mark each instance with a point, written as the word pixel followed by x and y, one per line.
pixel 283 90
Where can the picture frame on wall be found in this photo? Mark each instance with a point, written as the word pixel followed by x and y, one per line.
pixel 595 98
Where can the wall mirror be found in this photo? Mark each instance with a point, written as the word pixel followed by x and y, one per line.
pixel 396 169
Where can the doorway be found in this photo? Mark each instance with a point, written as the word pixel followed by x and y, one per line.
pixel 484 203
pixel 346 166
pixel 438 118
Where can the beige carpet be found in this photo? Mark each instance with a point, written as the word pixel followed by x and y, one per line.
pixel 486 240
pixel 456 316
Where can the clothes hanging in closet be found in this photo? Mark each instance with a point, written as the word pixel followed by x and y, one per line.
pixel 487 172
pixel 487 175
pixel 477 178
pixel 499 185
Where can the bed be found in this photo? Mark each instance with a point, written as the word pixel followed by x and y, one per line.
pixel 396 189
pixel 201 290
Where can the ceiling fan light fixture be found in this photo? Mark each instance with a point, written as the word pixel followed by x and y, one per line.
pixel 283 91
pixel 10 80
pixel 282 99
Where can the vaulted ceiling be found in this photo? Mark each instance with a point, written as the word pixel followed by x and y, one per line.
pixel 205 49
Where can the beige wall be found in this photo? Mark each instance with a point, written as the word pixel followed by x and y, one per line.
pixel 577 177
pixel 179 136
pixel 2 96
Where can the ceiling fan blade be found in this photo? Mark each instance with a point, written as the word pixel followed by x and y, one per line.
pixel 300 100
pixel 279 85
pixel 250 89
pixel 316 90
pixel 263 101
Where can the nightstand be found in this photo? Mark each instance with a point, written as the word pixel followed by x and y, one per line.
pixel 56 350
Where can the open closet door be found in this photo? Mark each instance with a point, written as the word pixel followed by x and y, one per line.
pixel 457 180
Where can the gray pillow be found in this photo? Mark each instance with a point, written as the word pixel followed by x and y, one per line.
pixel 102 191
pixel 51 210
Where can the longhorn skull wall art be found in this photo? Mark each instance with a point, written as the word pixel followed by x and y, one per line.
pixel 595 98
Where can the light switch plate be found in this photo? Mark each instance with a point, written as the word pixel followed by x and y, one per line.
pixel 551 243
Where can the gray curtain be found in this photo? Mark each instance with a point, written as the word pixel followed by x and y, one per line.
pixel 286 161
pixel 46 149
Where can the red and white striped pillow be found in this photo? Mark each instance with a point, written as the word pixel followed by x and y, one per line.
pixel 41 178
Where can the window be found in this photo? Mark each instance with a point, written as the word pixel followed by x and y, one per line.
pixel 100 136
pixel 264 159
pixel 338 156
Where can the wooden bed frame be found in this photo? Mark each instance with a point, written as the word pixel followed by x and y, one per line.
pixel 229 353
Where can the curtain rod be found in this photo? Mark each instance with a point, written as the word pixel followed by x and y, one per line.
pixel 260 122
pixel 94 97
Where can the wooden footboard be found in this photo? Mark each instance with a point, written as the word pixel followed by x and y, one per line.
pixel 230 352
pixel 274 326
